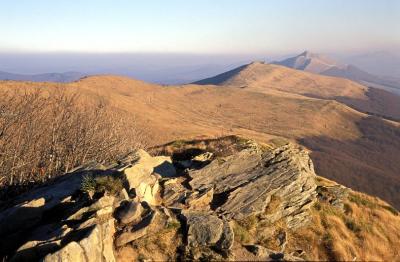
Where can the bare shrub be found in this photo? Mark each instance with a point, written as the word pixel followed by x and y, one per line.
pixel 44 134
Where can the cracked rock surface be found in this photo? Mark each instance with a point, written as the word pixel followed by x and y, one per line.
pixel 182 206
pixel 251 177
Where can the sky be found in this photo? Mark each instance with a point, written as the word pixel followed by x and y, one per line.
pixel 198 26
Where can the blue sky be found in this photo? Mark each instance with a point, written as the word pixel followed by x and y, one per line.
pixel 194 26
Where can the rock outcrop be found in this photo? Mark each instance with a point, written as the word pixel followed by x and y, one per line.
pixel 249 180
pixel 199 200
pixel 143 176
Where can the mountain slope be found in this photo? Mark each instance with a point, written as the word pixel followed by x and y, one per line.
pixel 356 149
pixel 319 64
pixel 310 62
pixel 48 77
pixel 262 77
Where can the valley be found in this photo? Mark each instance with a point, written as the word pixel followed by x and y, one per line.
pixel 337 119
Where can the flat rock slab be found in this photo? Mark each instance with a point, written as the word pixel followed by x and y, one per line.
pixel 247 181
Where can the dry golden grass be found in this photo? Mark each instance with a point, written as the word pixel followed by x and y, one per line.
pixel 348 146
pixel 368 230
pixel 264 78
pixel 261 77
pixel 160 246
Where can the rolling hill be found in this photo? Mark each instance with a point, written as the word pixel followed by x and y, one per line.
pixel 260 77
pixel 266 102
pixel 47 77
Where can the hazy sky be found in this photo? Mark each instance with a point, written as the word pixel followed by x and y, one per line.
pixel 199 26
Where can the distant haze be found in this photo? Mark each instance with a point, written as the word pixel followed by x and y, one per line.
pixel 180 41
pixel 199 26
pixel 169 68
pixel 152 67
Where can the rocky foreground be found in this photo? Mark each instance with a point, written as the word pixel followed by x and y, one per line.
pixel 210 200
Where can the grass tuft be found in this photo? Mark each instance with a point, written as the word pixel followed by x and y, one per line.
pixel 360 201
pixel 241 234
pixel 248 223
pixel 391 209
pixel 110 184
pixel 88 184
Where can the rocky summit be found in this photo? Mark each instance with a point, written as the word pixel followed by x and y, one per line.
pixel 206 199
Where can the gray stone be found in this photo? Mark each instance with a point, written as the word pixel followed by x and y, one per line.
pixel 129 212
pixel 251 177
pixel 137 231
pixel 334 195
pixel 140 176
pixel 275 184
pixel 33 203
pixel 174 193
pixel 72 252
pixel 92 244
pixel 200 200
pixel 107 238
pixel 227 237
pixel 205 229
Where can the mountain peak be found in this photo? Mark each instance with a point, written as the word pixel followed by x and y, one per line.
pixel 257 62
pixel 308 61
pixel 306 53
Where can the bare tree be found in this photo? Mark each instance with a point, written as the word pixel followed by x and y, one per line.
pixel 45 134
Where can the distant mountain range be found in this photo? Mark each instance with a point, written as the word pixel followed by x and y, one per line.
pixel 319 64
pixel 47 77
pixel 378 63
pixel 306 61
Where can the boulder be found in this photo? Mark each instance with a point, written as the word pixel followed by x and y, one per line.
pixel 140 176
pixel 128 212
pixel 24 215
pixel 152 223
pixel 124 194
pixel 205 229
pixel 137 231
pixel 60 223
